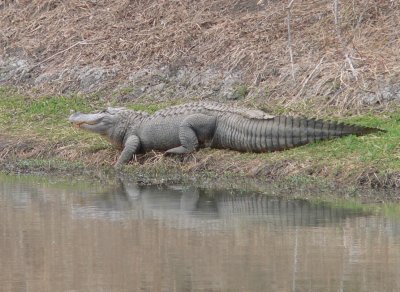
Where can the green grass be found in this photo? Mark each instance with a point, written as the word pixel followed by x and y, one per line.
pixel 380 150
pixel 241 91
pixel 45 118
pixel 376 149
pixel 18 113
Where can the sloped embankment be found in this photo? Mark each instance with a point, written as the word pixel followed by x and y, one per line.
pixel 342 54
pixel 317 58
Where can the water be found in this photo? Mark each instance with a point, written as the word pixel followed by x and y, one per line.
pixel 72 237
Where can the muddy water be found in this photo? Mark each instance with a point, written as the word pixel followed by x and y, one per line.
pixel 76 237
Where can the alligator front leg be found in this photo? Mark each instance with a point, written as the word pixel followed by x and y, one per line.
pixel 193 127
pixel 130 148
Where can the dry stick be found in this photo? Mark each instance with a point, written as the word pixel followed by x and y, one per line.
pixel 309 77
pixel 335 11
pixel 351 66
pixel 339 34
pixel 58 53
pixel 289 14
pixel 52 57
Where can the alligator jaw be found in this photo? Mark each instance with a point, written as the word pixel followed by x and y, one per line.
pixel 85 121
pixel 80 124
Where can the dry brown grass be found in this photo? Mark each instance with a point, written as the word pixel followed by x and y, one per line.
pixel 338 55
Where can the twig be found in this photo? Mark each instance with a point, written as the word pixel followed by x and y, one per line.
pixel 351 66
pixel 335 11
pixel 51 57
pixel 58 53
pixel 290 4
pixel 341 42
pixel 309 77
pixel 289 15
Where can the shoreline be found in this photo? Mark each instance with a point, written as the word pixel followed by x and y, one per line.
pixel 211 169
pixel 36 137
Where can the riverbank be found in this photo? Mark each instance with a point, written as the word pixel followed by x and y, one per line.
pixel 36 138
pixel 306 60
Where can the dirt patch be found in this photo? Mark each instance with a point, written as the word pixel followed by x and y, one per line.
pixel 345 56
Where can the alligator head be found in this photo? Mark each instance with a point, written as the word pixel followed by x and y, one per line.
pixel 108 123
pixel 100 122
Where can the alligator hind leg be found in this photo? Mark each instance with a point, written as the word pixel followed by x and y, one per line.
pixel 193 128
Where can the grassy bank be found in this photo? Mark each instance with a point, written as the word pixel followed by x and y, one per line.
pixel 36 137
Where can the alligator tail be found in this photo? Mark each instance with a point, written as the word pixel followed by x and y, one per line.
pixel 279 133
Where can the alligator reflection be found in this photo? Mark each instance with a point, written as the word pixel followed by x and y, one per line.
pixel 185 205
pixel 77 237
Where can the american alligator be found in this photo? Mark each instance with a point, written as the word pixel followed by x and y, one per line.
pixel 184 128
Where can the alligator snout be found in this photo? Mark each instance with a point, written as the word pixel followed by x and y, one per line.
pixel 73 118
pixel 89 119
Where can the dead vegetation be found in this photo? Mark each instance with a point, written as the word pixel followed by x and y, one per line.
pixel 340 53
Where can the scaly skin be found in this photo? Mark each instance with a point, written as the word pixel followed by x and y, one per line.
pixel 185 128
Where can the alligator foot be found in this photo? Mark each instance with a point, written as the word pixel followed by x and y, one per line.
pixel 118 166
pixel 178 150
